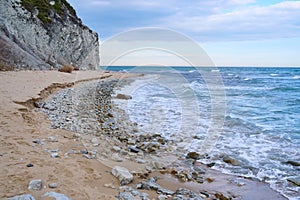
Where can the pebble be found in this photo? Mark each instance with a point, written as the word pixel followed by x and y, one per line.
pixel 84 151
pixel 52 139
pixel 95 142
pixel 35 184
pixel 52 185
pixel 29 165
pixel 54 155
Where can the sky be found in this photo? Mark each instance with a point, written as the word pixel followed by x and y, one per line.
pixel 231 32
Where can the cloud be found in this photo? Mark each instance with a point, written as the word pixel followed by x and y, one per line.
pixel 204 20
pixel 251 22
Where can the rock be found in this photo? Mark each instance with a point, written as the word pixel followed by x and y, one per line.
pixel 294 181
pixel 162 197
pixel 210 180
pixel 294 163
pixel 141 161
pixel 123 96
pixel 52 185
pixel 187 193
pixel 164 191
pixel 22 197
pixel 193 155
pixel 116 157
pixel 157 165
pixel 84 151
pixel 211 164
pixel 149 184
pixel 123 174
pixel 56 195
pixel 52 139
pixel 35 184
pixel 54 155
pixel 116 148
pixel 199 170
pixel 231 160
pixel 110 185
pixel 36 141
pixel 29 165
pixel 221 196
pixel 48 40
pixel 134 149
pixel 95 142
pixel 89 156
pixel 126 196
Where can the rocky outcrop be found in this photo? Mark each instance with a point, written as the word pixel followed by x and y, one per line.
pixel 45 37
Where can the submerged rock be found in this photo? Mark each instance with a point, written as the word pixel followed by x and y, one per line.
pixel 231 160
pixel 123 96
pixel 123 174
pixel 294 181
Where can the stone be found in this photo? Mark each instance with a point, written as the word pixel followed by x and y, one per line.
pixel 293 163
pixel 134 149
pixel 294 181
pixel 162 197
pixel 29 165
pixel 122 174
pixel 164 191
pixel 199 170
pixel 95 142
pixel 52 185
pixel 116 157
pixel 84 151
pixel 54 155
pixel 36 141
pixel 126 196
pixel 193 155
pixel 35 184
pixel 52 139
pixel 123 96
pixel 22 197
pixel 187 193
pixel 230 160
pixel 56 195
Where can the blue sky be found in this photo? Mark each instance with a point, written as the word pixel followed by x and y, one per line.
pixel 232 32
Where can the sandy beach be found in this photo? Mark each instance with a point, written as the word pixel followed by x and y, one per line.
pixel 31 149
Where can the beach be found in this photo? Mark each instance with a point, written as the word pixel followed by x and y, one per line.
pixel 53 130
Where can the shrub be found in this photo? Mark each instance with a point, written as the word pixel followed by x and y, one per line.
pixel 66 69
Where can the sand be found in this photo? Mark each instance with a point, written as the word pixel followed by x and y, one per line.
pixel 76 176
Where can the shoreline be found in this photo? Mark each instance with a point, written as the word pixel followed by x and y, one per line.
pixel 17 140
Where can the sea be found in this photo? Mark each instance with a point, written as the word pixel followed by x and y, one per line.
pixel 258 117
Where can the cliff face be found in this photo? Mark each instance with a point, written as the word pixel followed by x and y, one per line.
pixel 45 34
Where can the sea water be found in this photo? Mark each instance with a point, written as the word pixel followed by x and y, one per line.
pixel 261 127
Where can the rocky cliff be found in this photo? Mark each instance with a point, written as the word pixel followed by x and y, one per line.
pixel 45 34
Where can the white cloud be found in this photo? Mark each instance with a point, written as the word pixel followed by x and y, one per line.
pixel 252 22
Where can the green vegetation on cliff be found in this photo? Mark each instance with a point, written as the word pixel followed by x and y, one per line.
pixel 44 8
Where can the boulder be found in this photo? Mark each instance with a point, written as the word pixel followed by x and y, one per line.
pixel 123 174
